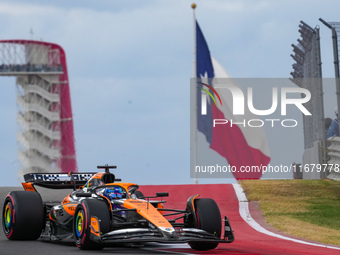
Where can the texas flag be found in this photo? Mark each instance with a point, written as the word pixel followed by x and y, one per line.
pixel 240 144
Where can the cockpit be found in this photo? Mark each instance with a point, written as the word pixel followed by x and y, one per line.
pixel 112 192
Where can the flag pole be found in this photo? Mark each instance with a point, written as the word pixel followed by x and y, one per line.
pixel 193 6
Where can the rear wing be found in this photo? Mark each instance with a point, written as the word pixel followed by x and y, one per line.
pixel 58 180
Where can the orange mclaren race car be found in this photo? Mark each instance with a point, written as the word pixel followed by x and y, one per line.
pixel 103 210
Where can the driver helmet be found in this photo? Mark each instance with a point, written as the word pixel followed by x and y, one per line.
pixel 116 192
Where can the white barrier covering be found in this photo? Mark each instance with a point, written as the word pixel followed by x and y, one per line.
pixel 334 158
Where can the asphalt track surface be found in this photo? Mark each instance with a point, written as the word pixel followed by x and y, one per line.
pixel 247 240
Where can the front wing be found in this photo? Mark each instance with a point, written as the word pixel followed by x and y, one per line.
pixel 142 235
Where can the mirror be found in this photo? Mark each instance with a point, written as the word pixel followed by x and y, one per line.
pixel 162 194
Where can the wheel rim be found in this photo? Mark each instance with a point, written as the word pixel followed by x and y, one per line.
pixel 79 224
pixel 8 216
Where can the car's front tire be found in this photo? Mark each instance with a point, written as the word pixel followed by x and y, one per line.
pixel 23 215
pixel 82 223
pixel 208 218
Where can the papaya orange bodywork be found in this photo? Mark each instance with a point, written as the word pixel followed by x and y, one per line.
pixel 145 209
pixel 160 206
pixel 70 208
pixel 28 186
pixel 193 204
pixel 94 226
pixel 149 212
pixel 66 199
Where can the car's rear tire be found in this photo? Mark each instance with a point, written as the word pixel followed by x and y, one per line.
pixel 208 218
pixel 23 215
pixel 82 221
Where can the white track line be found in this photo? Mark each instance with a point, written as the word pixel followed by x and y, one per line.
pixel 245 214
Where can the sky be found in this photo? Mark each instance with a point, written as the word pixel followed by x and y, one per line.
pixel 130 64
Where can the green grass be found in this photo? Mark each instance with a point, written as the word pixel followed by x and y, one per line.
pixel 305 208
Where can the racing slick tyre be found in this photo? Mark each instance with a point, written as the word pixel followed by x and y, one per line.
pixel 23 215
pixel 208 218
pixel 139 194
pixel 82 223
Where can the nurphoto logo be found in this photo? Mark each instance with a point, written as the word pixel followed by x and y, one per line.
pixel 240 101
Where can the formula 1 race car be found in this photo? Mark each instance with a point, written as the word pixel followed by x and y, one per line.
pixel 102 210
